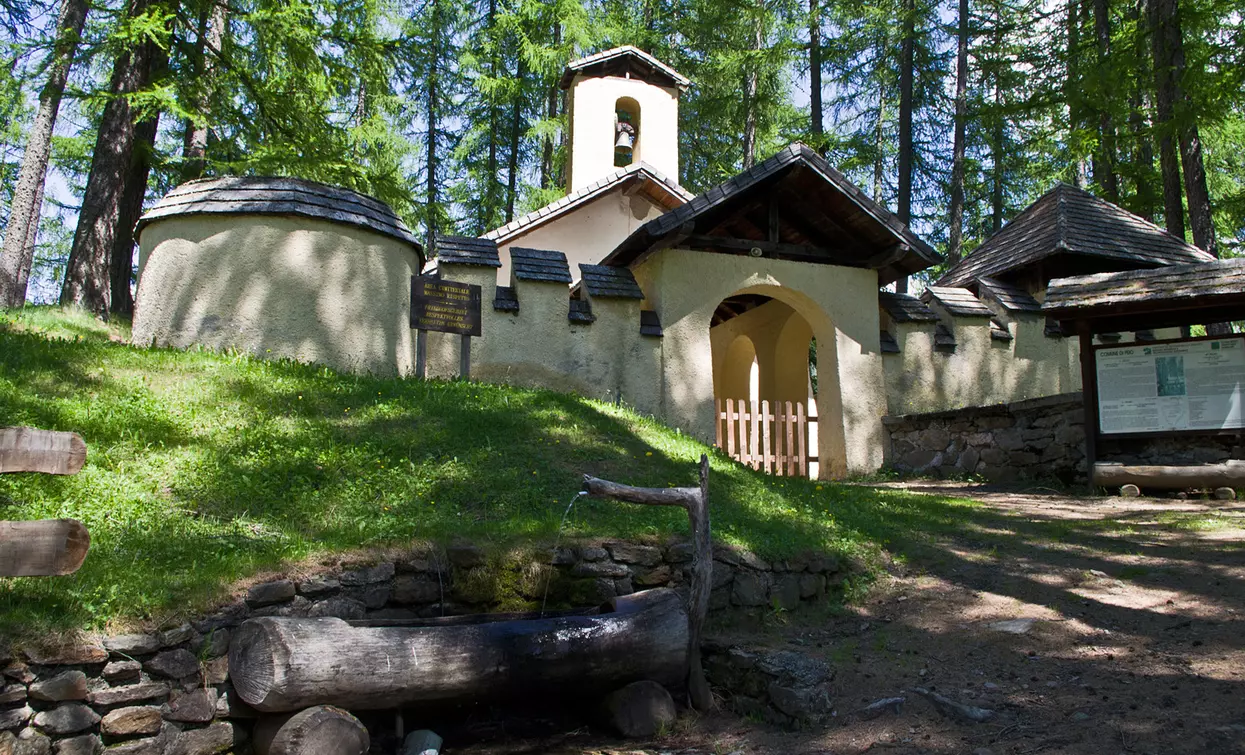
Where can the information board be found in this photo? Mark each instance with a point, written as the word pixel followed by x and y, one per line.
pixel 1187 385
pixel 445 306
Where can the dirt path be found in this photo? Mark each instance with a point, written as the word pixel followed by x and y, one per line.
pixel 1123 634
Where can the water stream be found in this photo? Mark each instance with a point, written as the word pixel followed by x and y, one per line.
pixel 556 541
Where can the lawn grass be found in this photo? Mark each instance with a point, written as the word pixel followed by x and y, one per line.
pixel 205 468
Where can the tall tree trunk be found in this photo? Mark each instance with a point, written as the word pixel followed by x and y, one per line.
pixel 88 273
pixel 512 168
pixel 551 112
pixel 998 158
pixel 121 269
pixel 879 170
pixel 1104 155
pixel 1073 94
pixel 1144 198
pixel 430 240
pixel 32 239
pixel 816 112
pixel 955 233
pixel 751 87
pixel 210 39
pixel 1160 12
pixel 1196 192
pixel 905 122
pixel 17 254
pixel 488 213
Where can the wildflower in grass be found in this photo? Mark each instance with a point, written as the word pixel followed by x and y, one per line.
pixel 648 453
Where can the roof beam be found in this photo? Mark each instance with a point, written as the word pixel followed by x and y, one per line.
pixel 798 252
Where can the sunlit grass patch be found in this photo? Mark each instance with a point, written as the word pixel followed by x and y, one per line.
pixel 206 467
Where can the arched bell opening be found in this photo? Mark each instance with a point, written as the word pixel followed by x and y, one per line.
pixel 626 132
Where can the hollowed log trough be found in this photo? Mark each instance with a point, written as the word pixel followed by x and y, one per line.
pixel 287 664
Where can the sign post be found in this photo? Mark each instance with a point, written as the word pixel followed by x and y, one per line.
pixel 445 307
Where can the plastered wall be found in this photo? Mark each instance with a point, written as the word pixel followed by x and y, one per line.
pixel 980 371
pixel 608 359
pixel 591 115
pixel 587 234
pixel 277 287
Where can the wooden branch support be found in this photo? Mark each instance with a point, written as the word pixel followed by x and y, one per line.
pixel 25 449
pixel 42 548
pixel 696 502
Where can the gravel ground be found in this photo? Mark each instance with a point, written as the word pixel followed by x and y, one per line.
pixel 1087 625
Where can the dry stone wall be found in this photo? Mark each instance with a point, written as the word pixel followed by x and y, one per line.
pixel 1034 439
pixel 1037 439
pixel 168 692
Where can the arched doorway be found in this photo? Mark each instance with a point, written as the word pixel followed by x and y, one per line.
pixel 764 400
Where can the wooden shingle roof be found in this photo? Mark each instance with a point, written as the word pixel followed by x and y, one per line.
pixel 792 206
pixel 603 281
pixel 269 195
pixel 1212 291
pixel 467 250
pixel 655 186
pixel 541 265
pixel 1069 221
pixel 624 61
pixel 957 301
pixel 905 308
pixel 1011 298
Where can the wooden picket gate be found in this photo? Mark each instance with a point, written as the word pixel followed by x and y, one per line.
pixel 765 435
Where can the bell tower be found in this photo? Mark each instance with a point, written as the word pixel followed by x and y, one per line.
pixel 622 109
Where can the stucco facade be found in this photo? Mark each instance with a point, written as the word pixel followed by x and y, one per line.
pixel 275 286
pixel 587 234
pixel 591 105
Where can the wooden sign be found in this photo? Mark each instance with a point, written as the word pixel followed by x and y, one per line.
pixel 445 306
pixel 25 449
pixel 44 548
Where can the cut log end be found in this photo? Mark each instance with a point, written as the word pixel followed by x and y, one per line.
pixel 43 548
pixel 251 662
pixel 27 449
pixel 319 730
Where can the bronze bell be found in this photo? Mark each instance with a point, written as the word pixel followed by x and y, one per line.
pixel 625 141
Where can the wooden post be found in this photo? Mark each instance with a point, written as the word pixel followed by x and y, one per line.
pixel 1089 393
pixel 802 438
pixel 730 427
pixel 464 358
pixel 790 470
pixel 765 438
pixel 421 354
pixel 696 502
pixel 753 433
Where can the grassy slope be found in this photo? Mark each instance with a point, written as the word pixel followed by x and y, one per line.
pixel 205 468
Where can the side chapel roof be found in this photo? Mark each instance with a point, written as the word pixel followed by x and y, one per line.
pixel 1070 221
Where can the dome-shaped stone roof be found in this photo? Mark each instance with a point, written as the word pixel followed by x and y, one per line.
pixel 271 195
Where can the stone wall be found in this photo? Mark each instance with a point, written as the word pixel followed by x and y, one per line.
pixel 1034 439
pixel 1037 439
pixel 168 692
